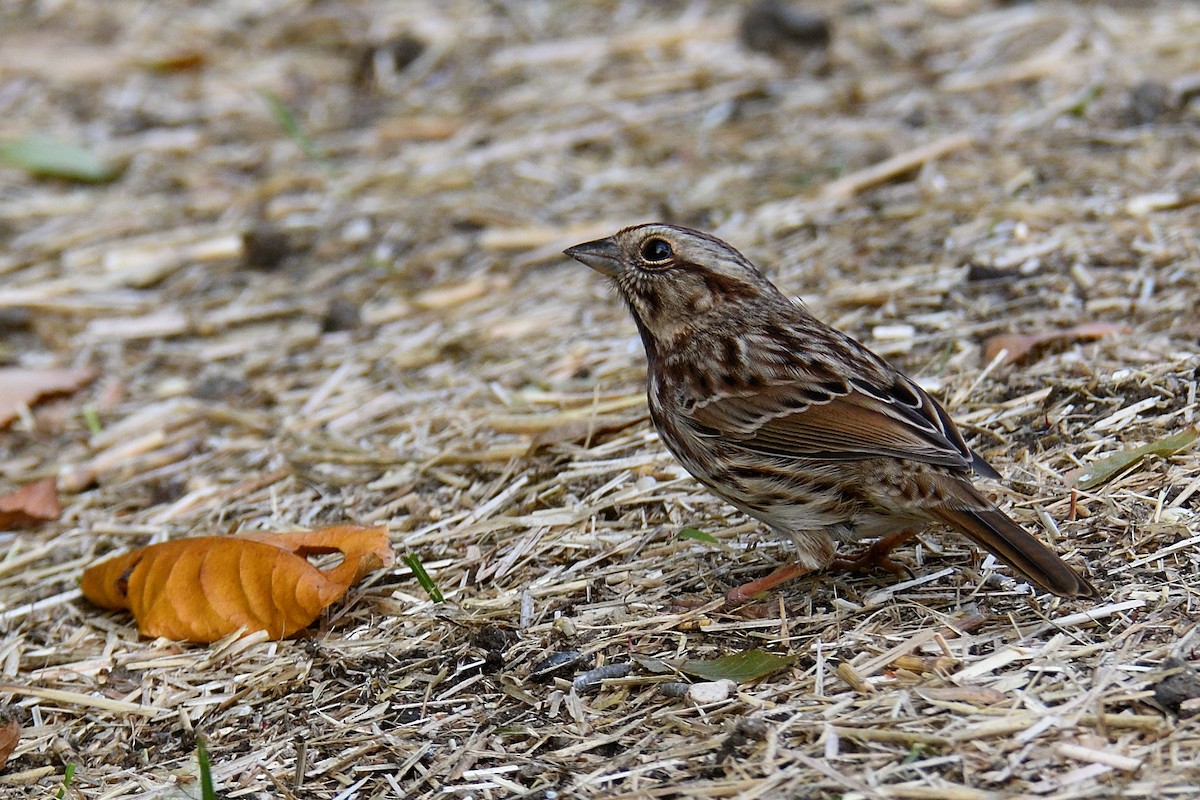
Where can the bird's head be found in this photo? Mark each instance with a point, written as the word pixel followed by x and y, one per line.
pixel 675 279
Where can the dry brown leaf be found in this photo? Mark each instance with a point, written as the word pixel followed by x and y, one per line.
pixel 33 502
pixel 21 387
pixel 1019 345
pixel 207 587
pixel 10 734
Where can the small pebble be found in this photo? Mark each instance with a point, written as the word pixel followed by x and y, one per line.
pixel 1147 101
pixel 15 319
pixel 984 272
pixel 711 691
pixel 357 231
pixel 265 247
pixel 1180 686
pixel 341 315
pixel 221 387
pixel 770 26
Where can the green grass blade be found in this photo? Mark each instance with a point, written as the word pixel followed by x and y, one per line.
pixel 413 562
pixel 698 535
pixel 291 126
pixel 68 776
pixel 207 792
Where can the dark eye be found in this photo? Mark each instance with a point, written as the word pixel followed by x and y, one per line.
pixel 656 251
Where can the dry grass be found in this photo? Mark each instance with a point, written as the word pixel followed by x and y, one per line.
pixel 1024 184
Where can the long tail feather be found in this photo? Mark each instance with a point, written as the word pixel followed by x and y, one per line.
pixel 992 530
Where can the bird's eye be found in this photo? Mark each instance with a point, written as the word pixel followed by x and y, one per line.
pixel 656 251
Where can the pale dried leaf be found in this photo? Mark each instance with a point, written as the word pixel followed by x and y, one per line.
pixel 22 387
pixel 33 502
pixel 1018 346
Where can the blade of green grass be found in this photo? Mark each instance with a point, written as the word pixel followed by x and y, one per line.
pixel 413 562
pixel 207 792
pixel 698 535
pixel 917 751
pixel 68 776
pixel 291 126
pixel 91 418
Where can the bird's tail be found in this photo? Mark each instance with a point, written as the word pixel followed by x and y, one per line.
pixel 992 530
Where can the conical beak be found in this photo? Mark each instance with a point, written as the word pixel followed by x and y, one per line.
pixel 602 255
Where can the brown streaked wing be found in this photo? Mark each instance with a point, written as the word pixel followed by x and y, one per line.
pixel 782 421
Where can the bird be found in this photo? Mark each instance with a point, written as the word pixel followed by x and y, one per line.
pixel 794 422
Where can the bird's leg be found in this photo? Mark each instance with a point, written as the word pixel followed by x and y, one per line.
pixel 781 575
pixel 876 556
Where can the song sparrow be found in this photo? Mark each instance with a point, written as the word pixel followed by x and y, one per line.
pixel 795 423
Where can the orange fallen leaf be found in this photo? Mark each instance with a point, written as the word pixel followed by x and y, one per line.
pixel 1019 345
pixel 10 734
pixel 207 587
pixel 21 387
pixel 33 502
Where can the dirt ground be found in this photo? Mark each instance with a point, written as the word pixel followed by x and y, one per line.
pixel 367 318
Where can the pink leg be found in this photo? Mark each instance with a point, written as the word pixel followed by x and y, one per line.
pixel 877 556
pixel 740 594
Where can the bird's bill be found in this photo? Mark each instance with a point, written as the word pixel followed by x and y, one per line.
pixel 602 255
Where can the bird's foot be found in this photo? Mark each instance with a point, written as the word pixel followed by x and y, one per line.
pixel 741 594
pixel 877 556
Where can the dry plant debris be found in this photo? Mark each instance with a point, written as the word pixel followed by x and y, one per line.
pixel 939 172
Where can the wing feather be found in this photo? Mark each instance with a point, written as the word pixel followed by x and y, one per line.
pixel 862 421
